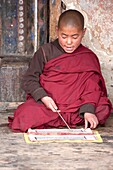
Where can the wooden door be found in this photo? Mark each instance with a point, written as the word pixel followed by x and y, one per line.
pixel 24 26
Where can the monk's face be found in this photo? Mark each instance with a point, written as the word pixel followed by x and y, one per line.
pixel 70 37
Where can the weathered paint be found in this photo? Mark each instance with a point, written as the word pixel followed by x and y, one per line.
pixel 22 31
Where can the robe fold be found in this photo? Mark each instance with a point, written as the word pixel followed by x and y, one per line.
pixel 71 80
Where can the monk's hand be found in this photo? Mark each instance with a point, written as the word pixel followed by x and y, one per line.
pixel 50 104
pixel 90 119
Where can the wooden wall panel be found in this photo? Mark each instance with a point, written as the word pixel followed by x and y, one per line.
pixel 10 81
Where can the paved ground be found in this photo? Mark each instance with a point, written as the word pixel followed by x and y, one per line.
pixel 15 154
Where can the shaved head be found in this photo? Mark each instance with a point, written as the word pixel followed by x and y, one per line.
pixel 71 18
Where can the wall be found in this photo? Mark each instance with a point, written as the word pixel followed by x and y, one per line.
pixel 99 35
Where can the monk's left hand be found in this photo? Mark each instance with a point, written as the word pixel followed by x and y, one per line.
pixel 91 119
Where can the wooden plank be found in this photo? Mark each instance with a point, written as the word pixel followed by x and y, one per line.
pixel 10 82
pixel 55 11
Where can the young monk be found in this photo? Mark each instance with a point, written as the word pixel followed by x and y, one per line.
pixel 64 76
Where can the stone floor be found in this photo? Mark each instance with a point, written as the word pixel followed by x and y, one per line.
pixel 16 154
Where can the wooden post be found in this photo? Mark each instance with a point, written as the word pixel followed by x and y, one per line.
pixel 55 11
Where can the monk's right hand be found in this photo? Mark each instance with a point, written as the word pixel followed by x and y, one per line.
pixel 50 104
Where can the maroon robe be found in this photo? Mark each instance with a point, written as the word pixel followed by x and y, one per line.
pixel 72 80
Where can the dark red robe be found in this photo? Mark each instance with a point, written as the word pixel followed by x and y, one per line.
pixel 72 80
